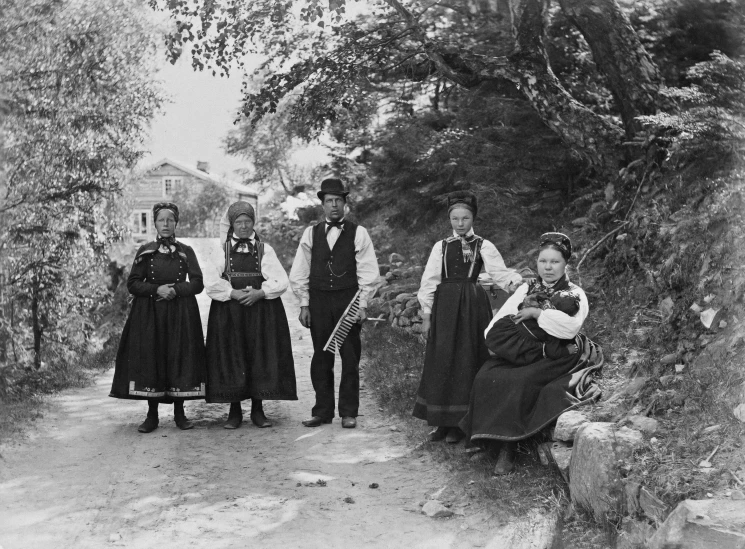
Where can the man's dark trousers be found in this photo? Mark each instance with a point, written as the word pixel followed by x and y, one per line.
pixel 326 308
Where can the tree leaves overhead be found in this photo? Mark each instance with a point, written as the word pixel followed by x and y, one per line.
pixel 326 58
pixel 313 52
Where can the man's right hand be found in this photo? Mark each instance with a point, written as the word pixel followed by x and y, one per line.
pixel 304 317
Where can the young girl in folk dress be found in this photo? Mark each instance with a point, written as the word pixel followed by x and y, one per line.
pixel 161 352
pixel 249 353
pixel 456 310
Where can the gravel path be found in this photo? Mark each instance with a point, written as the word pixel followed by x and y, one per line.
pixel 85 478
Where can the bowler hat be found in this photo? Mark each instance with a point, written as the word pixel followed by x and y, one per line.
pixel 332 186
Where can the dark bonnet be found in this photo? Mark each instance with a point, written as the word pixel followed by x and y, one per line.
pixel 463 199
pixel 165 206
pixel 558 241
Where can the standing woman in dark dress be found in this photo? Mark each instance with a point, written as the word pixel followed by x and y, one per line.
pixel 455 312
pixel 249 353
pixel 161 353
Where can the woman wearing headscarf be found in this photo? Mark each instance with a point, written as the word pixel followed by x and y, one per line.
pixel 249 353
pixel 161 353
pixel 541 364
pixel 455 312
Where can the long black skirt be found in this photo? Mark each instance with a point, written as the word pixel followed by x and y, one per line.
pixel 249 353
pixel 514 398
pixel 455 351
pixel 161 352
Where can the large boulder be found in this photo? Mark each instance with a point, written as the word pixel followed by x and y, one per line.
pixel 404 297
pixel 568 424
pixel 633 534
pixel 561 453
pixel 413 302
pixel 595 477
pixel 644 424
pixel 436 509
pixel 396 258
pixel 652 506
pixel 702 524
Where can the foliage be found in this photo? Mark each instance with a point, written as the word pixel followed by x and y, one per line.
pixel 329 59
pixel 24 388
pixel 479 142
pixel 76 82
pixel 682 33
pixel 710 110
pixel 270 146
pixel 572 62
pixel 393 366
pixel 200 211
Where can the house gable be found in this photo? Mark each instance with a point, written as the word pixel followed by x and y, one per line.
pixel 165 177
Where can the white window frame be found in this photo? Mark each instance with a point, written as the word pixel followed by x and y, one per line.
pixel 141 222
pixel 173 182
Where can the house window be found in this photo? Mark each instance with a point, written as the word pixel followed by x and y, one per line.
pixel 169 185
pixel 139 225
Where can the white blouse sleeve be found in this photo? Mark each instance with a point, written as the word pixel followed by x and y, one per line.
pixel 510 306
pixel 367 265
pixel 219 289
pixel 494 266
pixel 276 280
pixel 561 325
pixel 300 271
pixel 431 278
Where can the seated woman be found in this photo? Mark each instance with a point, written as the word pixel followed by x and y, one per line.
pixel 541 365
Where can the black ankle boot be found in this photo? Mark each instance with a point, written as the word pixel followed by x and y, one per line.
pixel 235 416
pixel 151 422
pixel 257 414
pixel 179 416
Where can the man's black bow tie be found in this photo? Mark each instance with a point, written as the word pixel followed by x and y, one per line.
pixel 338 224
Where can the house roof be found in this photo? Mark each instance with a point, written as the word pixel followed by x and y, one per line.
pixel 206 176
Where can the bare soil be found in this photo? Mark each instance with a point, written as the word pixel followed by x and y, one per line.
pixel 85 478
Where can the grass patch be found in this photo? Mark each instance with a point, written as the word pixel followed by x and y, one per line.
pixel 393 367
pixel 24 398
pixel 392 370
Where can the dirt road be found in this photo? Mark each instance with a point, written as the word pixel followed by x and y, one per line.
pixel 85 478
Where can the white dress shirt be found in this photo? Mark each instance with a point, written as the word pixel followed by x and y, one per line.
pixel 275 282
pixel 493 266
pixel 367 264
pixel 555 322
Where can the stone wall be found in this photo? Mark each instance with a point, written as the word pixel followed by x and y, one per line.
pixel 395 299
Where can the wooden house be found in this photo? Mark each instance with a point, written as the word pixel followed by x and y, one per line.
pixel 164 178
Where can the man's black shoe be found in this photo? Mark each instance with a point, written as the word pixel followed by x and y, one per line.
pixel 316 421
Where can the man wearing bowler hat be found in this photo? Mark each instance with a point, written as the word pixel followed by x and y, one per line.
pixel 335 258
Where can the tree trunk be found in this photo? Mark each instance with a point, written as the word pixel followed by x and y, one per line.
pixel 632 74
pixel 590 135
pixel 581 129
pixel 36 325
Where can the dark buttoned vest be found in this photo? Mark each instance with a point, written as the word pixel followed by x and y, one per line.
pixel 333 269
